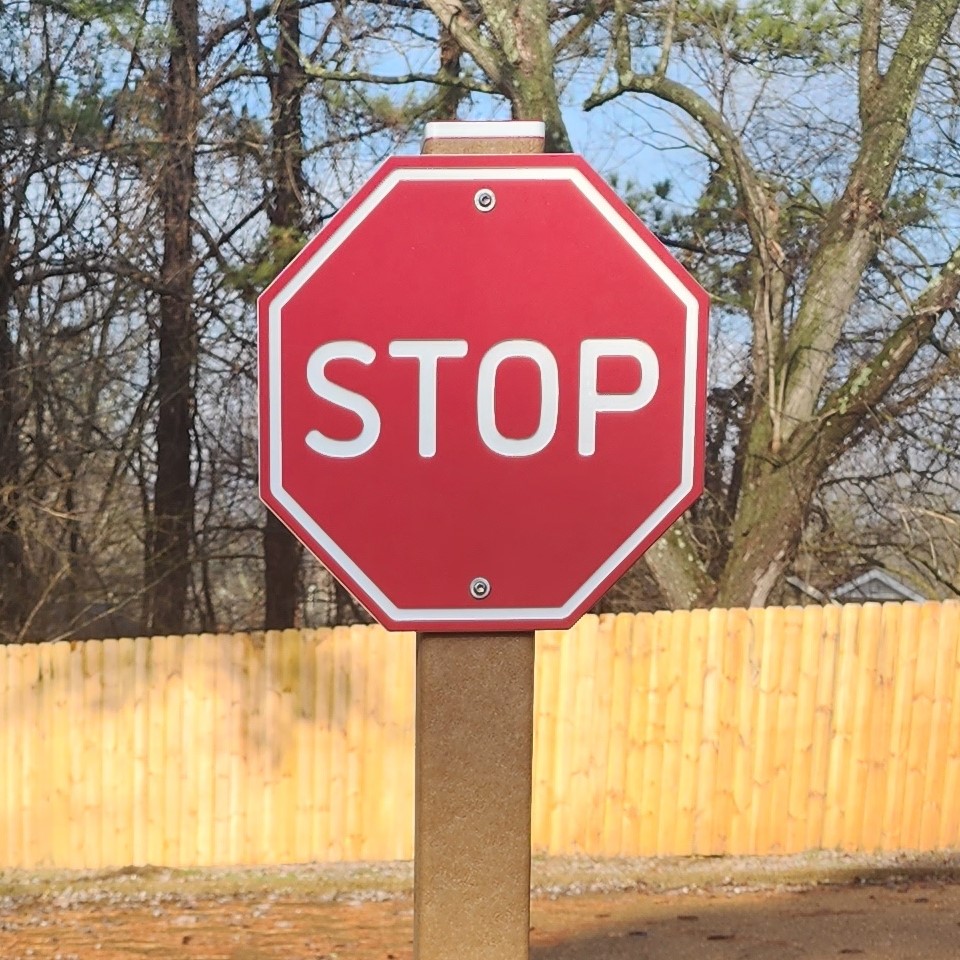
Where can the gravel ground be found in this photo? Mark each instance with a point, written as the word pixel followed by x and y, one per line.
pixel 813 906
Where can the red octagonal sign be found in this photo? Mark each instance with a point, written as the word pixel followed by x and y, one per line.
pixel 482 392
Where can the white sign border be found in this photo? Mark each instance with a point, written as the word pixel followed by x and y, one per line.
pixel 482 614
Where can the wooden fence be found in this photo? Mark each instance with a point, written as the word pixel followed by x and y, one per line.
pixel 721 731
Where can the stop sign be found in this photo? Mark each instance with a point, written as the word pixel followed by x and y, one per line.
pixel 482 392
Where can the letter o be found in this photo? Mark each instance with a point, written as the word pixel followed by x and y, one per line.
pixel 486 398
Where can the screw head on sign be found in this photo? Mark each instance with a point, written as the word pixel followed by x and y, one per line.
pixel 479 588
pixel 485 200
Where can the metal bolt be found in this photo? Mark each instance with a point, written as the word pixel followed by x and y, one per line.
pixel 485 200
pixel 479 588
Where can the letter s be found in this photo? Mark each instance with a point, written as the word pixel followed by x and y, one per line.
pixel 341 397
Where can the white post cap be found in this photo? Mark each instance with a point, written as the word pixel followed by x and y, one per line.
pixel 485 130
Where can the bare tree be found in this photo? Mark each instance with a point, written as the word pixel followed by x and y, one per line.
pixel 155 181
pixel 53 132
pixel 281 549
pixel 804 408
pixel 171 523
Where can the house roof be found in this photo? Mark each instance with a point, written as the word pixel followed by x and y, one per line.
pixel 875 584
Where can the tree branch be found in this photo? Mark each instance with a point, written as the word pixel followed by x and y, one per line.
pixel 761 214
pixel 850 236
pixel 249 19
pixel 869 52
pixel 591 15
pixel 453 15
pixel 621 39
pixel 755 198
pixel 439 79
pixel 866 386
pixel 666 45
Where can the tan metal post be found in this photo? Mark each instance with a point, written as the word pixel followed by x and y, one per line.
pixel 474 741
pixel 473 780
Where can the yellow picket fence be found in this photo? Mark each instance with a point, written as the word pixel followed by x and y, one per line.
pixel 704 732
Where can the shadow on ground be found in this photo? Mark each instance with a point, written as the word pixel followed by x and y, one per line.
pixel 898 920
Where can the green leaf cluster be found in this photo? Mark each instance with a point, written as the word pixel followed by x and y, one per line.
pixel 710 238
pixel 277 248
pixel 766 31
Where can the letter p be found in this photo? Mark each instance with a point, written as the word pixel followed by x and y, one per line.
pixel 593 403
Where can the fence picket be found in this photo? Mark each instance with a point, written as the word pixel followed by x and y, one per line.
pixel 31 832
pixel 898 752
pixel 641 636
pixel 950 821
pixel 921 726
pixel 864 701
pixel 933 797
pixel 616 761
pixel 58 785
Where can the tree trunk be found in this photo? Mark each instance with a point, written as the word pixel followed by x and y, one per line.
pixel 167 564
pixel 765 535
pixel 785 465
pixel 282 551
pixel 794 429
pixel 14 602
pixel 535 96
pixel 516 54
pixel 448 98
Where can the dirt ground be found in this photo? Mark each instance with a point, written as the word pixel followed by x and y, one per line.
pixel 812 907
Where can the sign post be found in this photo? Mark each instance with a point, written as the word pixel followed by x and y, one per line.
pixel 474 755
pixel 482 398
pixel 474 747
